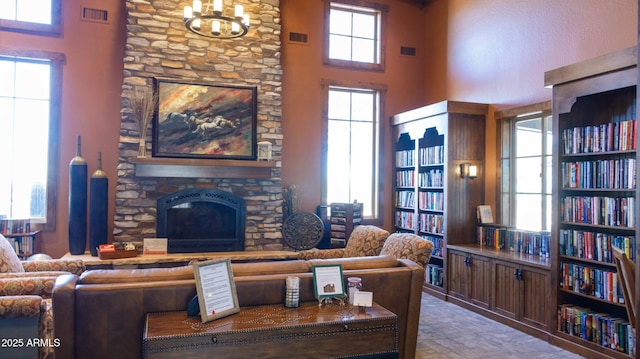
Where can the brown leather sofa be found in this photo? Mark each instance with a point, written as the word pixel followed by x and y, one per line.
pixel 101 314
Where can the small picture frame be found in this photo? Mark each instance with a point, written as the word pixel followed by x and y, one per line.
pixel 217 296
pixel 327 281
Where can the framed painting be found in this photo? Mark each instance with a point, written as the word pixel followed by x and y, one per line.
pixel 200 120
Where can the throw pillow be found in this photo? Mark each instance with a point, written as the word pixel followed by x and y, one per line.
pixel 9 261
pixel 365 241
pixel 408 246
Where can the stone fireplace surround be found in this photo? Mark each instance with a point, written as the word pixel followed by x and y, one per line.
pixel 158 45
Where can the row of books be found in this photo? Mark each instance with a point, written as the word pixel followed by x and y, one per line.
pixel 405 220
pixel 515 240
pixel 438 244
pixel 607 211
pixel 434 275
pixel 595 246
pixel 598 283
pixel 9 226
pixel 612 136
pixel 405 178
pixel 405 199
pixel 431 201
pixel 431 155
pixel 431 178
pixel 431 223
pixel 614 174
pixel 599 328
pixel 23 245
pixel 405 158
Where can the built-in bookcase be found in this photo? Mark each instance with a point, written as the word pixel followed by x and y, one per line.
pixel 431 142
pixel 594 200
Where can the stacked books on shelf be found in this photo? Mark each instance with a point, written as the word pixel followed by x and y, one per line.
pixel 607 211
pixel 11 226
pixel 607 137
pixel 599 328
pixel 594 245
pixel 344 217
pixel 599 283
pixel 438 245
pixel 603 173
pixel 18 233
pixel 434 275
pixel 405 220
pixel 509 239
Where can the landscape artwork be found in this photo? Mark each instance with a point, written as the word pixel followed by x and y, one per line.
pixel 199 120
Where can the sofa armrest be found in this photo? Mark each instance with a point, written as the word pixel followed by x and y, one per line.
pixel 37 286
pixel 73 266
pixel 64 304
pixel 20 306
pixel 321 253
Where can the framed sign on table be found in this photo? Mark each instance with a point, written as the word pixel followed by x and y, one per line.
pixel 217 296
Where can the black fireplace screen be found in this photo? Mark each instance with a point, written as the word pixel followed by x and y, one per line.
pixel 201 220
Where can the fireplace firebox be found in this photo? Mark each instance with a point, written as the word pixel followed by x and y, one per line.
pixel 201 220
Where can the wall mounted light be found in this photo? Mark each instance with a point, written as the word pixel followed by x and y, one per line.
pixel 467 170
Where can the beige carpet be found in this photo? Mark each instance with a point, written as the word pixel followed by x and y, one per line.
pixel 449 331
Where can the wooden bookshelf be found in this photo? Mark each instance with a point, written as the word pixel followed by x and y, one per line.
pixel 594 200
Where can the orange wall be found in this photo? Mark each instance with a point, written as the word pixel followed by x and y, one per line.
pixel 92 77
pixel 302 99
pixel 491 51
pixel 497 51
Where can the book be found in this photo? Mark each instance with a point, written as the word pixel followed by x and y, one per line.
pixel 484 214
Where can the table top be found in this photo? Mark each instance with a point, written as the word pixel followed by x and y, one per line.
pixel 262 318
pixel 186 257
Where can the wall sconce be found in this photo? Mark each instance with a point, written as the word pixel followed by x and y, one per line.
pixel 467 170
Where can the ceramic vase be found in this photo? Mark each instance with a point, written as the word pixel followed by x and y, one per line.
pixel 78 202
pixel 98 207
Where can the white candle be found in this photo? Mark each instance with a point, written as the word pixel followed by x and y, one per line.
pixel 217 5
pixel 239 11
pixel 197 6
pixel 215 28
pixel 188 12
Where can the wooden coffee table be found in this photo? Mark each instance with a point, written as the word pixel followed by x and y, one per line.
pixel 274 331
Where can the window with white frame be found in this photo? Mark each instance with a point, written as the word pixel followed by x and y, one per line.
pixel 353 147
pixel 526 170
pixel 36 16
pixel 354 35
pixel 27 116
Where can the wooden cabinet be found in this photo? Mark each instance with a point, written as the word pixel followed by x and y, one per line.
pixel 344 218
pixel 594 199
pixel 431 199
pixel 470 278
pixel 521 292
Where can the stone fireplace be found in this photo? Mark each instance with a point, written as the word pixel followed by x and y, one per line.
pixel 158 45
pixel 201 220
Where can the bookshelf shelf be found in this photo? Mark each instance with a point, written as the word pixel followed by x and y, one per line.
pixel 594 194
pixel 429 149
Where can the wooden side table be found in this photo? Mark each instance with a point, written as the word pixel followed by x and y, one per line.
pixel 274 331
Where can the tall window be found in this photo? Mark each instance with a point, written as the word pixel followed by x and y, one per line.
pixel 353 147
pixel 28 115
pixel 526 168
pixel 37 16
pixel 354 35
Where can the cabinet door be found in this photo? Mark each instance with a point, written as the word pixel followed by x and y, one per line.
pixel 535 292
pixel 506 297
pixel 458 275
pixel 480 281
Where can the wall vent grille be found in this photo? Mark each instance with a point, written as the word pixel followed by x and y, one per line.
pixel 407 51
pixel 95 15
pixel 298 38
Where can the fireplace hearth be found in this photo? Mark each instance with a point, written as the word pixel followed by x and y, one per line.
pixel 201 220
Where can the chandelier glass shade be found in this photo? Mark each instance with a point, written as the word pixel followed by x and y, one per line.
pixel 211 22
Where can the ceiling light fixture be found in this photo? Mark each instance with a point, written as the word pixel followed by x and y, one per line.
pixel 212 22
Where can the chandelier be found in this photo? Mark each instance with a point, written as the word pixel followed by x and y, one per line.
pixel 212 23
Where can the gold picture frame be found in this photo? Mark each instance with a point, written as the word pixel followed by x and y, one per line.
pixel 217 296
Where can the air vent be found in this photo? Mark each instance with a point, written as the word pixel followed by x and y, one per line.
pixel 298 38
pixel 95 15
pixel 407 51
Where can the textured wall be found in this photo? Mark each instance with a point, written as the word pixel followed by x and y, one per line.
pixel 158 45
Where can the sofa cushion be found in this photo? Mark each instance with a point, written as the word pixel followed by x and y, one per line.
pixel 408 246
pixel 9 261
pixel 365 240
pixel 368 262
pixel 104 276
